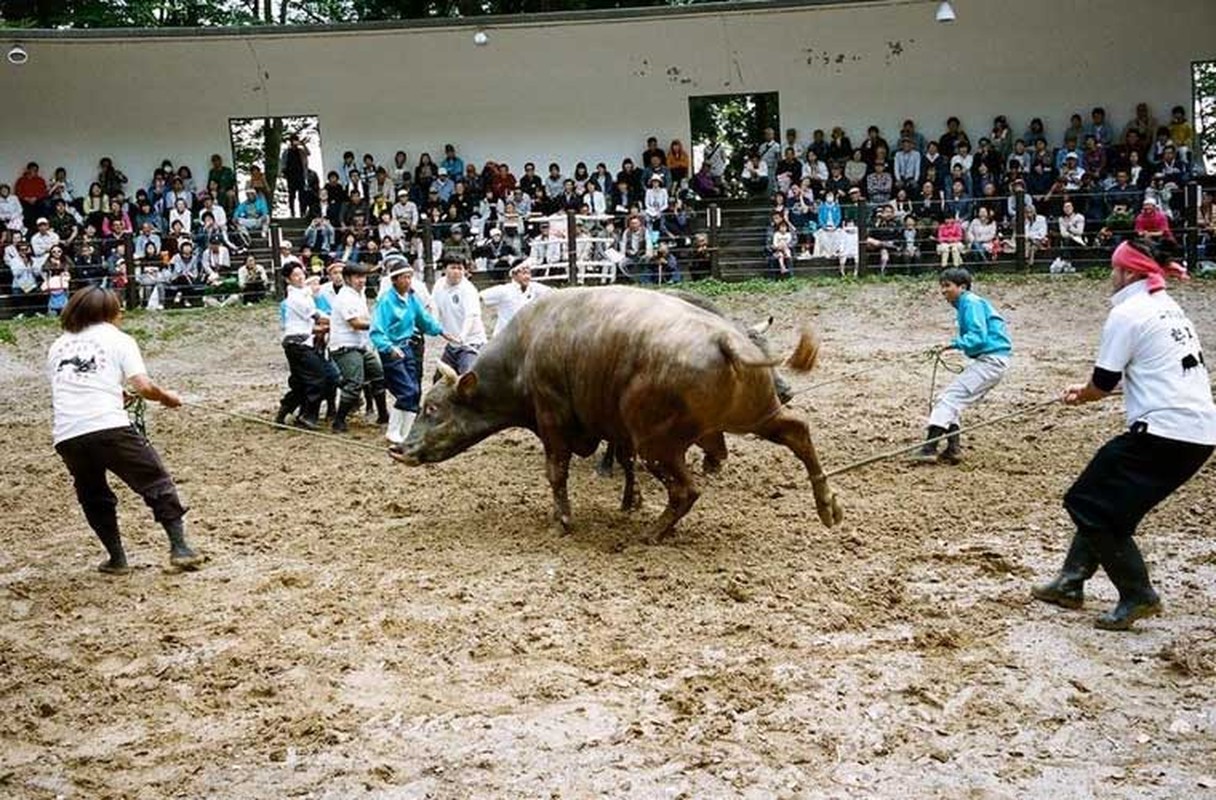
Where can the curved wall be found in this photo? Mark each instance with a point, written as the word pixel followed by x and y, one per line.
pixel 592 89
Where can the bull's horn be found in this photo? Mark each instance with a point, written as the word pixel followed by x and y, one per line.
pixel 449 374
pixel 762 327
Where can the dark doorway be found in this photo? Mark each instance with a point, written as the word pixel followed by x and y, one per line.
pixel 735 121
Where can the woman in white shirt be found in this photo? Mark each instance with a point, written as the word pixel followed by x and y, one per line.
pixel 88 367
pixel 180 213
pixel 981 233
pixel 1150 347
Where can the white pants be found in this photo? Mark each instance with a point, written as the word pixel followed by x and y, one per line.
pixel 969 387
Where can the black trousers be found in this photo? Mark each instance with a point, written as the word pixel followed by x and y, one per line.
pixel 1127 477
pixel 129 455
pixel 308 382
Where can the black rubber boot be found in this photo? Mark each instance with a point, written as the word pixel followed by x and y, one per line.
pixel 928 452
pixel 307 418
pixel 181 555
pixel 1067 589
pixel 104 522
pixel 285 408
pixel 331 403
pixel 344 410
pixel 381 408
pixel 953 452
pixel 1125 567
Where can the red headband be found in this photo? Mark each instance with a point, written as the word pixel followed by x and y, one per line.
pixel 1129 258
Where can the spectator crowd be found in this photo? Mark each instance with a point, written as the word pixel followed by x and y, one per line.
pixel 936 199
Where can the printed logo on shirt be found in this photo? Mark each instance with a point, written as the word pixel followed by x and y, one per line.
pixel 79 360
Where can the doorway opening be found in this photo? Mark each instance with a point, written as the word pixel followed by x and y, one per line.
pixel 262 153
pixel 733 122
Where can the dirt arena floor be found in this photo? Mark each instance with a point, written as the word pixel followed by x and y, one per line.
pixel 367 630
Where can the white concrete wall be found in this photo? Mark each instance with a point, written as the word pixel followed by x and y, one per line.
pixel 593 90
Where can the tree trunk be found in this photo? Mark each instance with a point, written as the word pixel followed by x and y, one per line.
pixel 272 132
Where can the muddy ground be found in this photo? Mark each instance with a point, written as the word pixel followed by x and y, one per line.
pixel 363 629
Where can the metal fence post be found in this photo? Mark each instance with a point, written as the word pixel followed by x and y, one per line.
pixel 571 248
pixel 863 219
pixel 276 262
pixel 428 253
pixel 713 219
pixel 132 288
pixel 1019 228
pixel 1191 200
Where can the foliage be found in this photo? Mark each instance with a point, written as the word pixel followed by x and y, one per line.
pixel 1204 75
pixel 7 336
pixel 734 120
pixel 205 13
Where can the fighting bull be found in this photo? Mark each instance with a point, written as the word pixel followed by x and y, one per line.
pixel 648 372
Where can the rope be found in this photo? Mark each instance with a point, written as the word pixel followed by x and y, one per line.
pixel 292 428
pixel 939 361
pixel 136 408
pixel 935 355
pixel 917 445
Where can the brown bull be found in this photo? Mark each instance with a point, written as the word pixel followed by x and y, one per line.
pixel 646 371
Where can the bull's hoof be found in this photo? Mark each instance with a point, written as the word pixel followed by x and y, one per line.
pixel 830 513
pixel 658 531
pixel 711 466
pixel 563 526
pixel 631 503
pixel 603 470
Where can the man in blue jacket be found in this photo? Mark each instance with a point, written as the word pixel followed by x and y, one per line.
pixel 398 317
pixel 983 337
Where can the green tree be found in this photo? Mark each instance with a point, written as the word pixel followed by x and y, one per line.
pixel 1204 83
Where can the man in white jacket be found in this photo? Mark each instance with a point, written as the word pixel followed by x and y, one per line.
pixel 508 298
pixel 458 309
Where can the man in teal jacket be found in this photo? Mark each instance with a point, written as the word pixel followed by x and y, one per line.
pixel 398 317
pixel 983 337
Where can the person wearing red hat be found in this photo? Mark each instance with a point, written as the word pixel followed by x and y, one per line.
pixel 1150 347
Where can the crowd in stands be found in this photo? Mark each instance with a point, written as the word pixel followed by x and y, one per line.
pixel 944 199
pixel 170 239
pixel 940 200
pixel 629 223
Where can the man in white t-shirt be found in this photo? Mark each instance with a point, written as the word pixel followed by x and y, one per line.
pixel 350 347
pixel 1150 347
pixel 458 309
pixel 88 366
pixel 508 298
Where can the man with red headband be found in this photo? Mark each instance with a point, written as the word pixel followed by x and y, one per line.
pixel 1150 346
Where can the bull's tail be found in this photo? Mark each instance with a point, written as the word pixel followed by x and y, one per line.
pixel 803 359
pixel 806 354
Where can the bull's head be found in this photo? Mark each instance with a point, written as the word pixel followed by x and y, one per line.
pixel 450 420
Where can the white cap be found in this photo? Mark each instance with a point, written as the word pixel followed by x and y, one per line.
pixel 397 265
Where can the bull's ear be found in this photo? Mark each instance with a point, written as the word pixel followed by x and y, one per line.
pixel 447 373
pixel 466 384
